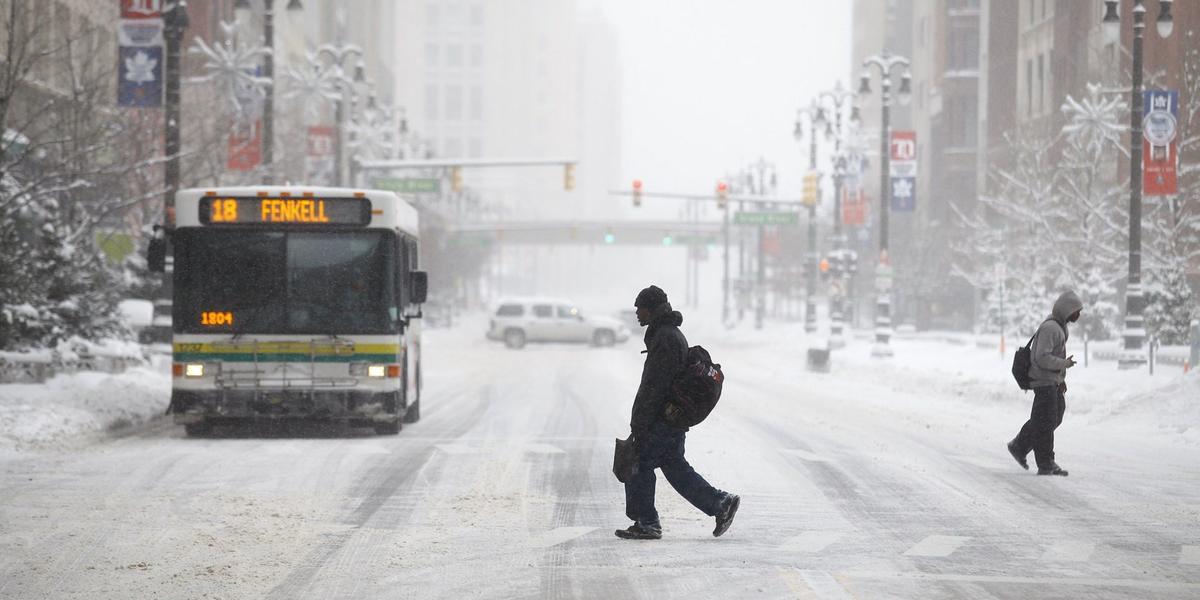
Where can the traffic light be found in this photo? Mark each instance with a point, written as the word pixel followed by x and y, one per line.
pixel 811 189
pixel 568 177
pixel 456 183
pixel 824 267
pixel 637 192
pixel 722 195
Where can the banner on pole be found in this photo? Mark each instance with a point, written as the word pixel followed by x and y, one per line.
pixel 318 161
pixel 140 74
pixel 245 148
pixel 140 54
pixel 854 206
pixel 1160 149
pixel 903 170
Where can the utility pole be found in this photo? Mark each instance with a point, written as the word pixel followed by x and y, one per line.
pixel 175 22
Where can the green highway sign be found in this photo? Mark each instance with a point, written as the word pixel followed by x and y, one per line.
pixel 408 185
pixel 766 218
pixel 693 239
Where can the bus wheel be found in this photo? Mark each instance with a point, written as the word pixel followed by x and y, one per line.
pixel 514 338
pixel 197 429
pixel 413 414
pixel 388 428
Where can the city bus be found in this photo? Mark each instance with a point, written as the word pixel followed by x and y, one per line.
pixel 294 303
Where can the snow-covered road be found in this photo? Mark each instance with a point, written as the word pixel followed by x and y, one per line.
pixel 855 484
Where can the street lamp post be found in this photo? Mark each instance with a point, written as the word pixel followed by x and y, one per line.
pixel 816 119
pixel 886 63
pixel 268 111
pixel 338 55
pixel 1135 301
pixel 837 100
pixel 761 186
pixel 175 22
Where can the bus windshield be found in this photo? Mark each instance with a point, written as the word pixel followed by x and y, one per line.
pixel 285 282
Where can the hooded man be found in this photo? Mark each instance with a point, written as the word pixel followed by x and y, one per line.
pixel 1047 373
pixel 659 445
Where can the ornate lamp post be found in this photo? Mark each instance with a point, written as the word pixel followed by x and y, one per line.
pixel 1135 302
pixel 175 22
pixel 836 101
pixel 761 181
pixel 886 63
pixel 268 116
pixel 817 121
pixel 338 55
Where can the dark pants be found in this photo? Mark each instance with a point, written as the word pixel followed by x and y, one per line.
pixel 1038 432
pixel 662 449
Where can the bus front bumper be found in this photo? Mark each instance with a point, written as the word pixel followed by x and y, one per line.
pixel 352 406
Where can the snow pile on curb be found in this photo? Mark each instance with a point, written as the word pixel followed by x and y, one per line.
pixel 73 405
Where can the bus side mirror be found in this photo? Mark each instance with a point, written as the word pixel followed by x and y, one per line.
pixel 420 286
pixel 156 253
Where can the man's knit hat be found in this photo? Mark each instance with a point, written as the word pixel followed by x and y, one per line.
pixel 650 297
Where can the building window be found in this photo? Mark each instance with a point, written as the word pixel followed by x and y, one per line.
pixel 453 148
pixel 454 102
pixel 476 109
pixel 431 102
pixel 477 15
pixel 1029 86
pixel 1041 76
pixel 454 55
pixel 431 15
pixel 431 56
pixel 476 56
pixel 475 148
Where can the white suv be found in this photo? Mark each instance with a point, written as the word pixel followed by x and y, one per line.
pixel 519 320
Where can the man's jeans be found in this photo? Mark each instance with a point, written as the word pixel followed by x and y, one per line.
pixel 663 448
pixel 1038 432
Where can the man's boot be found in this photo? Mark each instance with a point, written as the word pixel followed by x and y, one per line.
pixel 1017 456
pixel 1052 469
pixel 725 517
pixel 641 531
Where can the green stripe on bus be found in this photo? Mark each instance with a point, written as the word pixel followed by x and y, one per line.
pixel 249 357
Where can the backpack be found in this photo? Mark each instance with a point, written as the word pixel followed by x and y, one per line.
pixel 1022 360
pixel 695 391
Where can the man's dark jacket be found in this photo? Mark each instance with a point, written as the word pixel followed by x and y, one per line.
pixel 666 356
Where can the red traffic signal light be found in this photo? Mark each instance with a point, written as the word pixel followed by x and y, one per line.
pixel 637 192
pixel 722 194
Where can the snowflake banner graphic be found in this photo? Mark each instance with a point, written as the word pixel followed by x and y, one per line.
pixel 903 170
pixel 140 76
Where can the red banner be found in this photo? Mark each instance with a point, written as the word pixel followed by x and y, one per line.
pixel 245 148
pixel 854 207
pixel 141 9
pixel 1160 146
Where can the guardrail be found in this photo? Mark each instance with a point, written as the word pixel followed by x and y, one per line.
pixel 72 356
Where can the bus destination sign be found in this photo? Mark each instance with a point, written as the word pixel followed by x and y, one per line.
pixel 292 210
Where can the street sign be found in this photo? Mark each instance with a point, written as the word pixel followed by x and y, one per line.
pixel 1160 149
pixel 408 185
pixel 766 218
pixel 854 206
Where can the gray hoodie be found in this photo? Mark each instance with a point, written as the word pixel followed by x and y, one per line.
pixel 1049 352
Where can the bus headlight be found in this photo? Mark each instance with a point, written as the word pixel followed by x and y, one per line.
pixel 374 371
pixel 193 370
pixel 377 371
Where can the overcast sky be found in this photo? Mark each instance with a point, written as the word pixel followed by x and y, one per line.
pixel 710 85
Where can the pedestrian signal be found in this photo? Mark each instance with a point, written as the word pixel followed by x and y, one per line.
pixel 456 182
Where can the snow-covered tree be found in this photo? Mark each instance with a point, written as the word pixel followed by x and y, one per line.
pixel 1054 217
